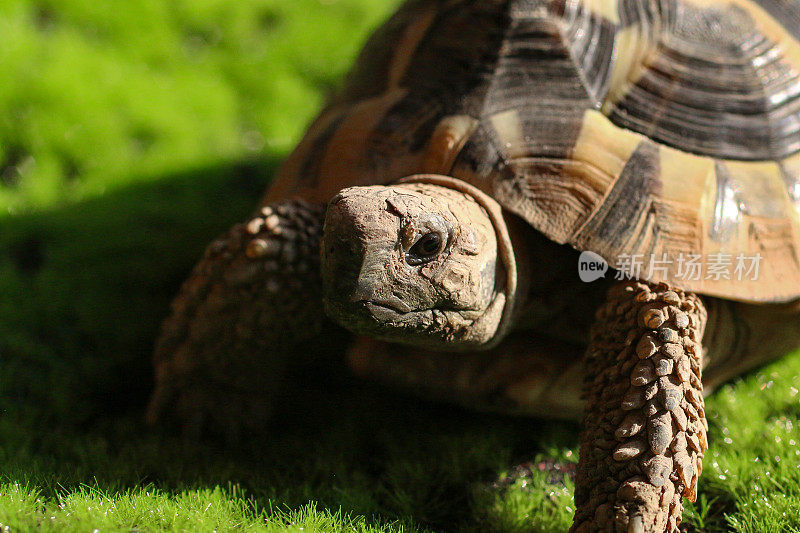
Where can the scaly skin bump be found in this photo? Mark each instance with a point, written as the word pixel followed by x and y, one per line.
pixel 644 426
pixel 250 304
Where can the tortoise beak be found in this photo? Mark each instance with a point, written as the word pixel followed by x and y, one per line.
pixel 356 248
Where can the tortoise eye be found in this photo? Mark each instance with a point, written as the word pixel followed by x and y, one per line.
pixel 426 248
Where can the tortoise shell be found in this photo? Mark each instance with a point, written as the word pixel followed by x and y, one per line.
pixel 648 131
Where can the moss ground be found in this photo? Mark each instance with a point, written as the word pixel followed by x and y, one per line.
pixel 131 133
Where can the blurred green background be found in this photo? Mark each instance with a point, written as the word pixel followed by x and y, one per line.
pixel 131 133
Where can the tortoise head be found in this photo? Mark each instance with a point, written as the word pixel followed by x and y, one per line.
pixel 426 262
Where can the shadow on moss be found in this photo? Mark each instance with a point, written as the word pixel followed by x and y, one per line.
pixel 84 287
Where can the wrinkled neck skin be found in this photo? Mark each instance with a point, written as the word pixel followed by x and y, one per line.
pixel 429 262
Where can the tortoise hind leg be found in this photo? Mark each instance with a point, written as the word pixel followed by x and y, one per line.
pixel 644 429
pixel 252 303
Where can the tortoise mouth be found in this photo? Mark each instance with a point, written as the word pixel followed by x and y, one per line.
pixel 385 321
pixel 382 311
pixel 423 327
pixel 388 316
pixel 392 303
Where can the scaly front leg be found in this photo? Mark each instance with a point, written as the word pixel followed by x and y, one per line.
pixel 250 304
pixel 644 427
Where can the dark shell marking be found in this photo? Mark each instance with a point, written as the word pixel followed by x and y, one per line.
pixel 621 126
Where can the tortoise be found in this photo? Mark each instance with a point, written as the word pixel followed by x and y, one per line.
pixel 482 157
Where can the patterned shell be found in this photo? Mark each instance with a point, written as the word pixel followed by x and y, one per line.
pixel 663 135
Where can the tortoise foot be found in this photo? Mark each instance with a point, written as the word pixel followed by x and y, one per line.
pixel 251 304
pixel 644 427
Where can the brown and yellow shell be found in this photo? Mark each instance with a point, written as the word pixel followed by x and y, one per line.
pixel 652 132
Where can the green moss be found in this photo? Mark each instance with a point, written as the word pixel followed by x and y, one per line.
pixel 131 133
pixel 97 95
